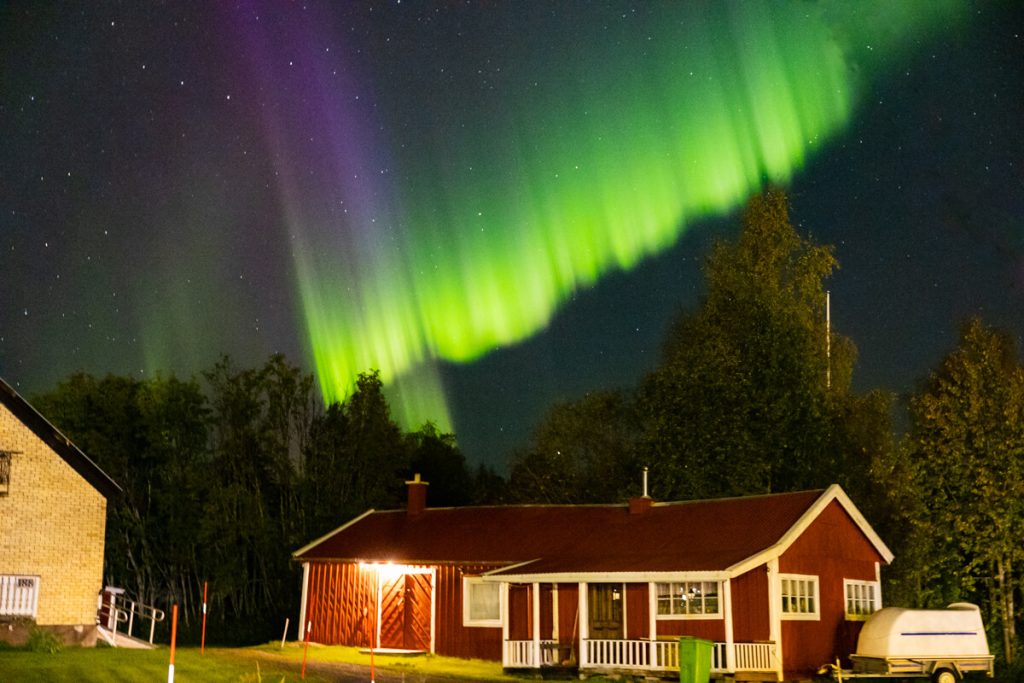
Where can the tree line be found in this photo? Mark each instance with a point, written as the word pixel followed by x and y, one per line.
pixel 226 475
pixel 223 478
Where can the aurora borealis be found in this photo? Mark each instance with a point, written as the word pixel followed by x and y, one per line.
pixel 575 160
pixel 411 188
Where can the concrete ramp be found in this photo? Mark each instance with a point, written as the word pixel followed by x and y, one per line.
pixel 123 640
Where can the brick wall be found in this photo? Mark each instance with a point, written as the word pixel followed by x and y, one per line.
pixel 52 526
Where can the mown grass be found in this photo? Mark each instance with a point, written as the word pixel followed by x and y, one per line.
pixel 111 665
pixel 424 665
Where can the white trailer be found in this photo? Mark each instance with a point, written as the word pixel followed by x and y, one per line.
pixel 943 644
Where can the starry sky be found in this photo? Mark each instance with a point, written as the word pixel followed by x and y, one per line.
pixel 498 205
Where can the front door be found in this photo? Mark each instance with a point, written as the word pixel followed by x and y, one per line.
pixel 604 602
pixel 405 612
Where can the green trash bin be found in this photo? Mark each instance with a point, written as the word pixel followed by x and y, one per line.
pixel 694 660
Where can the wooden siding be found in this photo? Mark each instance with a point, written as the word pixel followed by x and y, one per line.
pixel 547 611
pixel 750 620
pixel 451 638
pixel 638 624
pixel 341 604
pixel 709 629
pixel 832 548
pixel 520 612
pixel 569 615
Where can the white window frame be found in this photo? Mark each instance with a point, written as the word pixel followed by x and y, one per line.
pixel 809 581
pixel 467 620
pixel 681 616
pixel 19 595
pixel 873 602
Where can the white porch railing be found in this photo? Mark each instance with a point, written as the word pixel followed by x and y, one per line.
pixel 648 655
pixel 19 596
pixel 522 654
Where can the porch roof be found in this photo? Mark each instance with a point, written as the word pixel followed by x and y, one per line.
pixel 693 536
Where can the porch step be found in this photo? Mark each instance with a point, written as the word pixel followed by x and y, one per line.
pixel 123 640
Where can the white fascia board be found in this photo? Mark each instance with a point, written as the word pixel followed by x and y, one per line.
pixel 310 546
pixel 606 577
pixel 832 493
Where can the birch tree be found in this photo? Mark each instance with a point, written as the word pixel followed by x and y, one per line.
pixel 966 449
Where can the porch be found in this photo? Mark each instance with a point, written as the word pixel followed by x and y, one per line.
pixel 646 655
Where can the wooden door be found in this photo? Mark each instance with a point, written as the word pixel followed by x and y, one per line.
pixel 405 612
pixel 604 605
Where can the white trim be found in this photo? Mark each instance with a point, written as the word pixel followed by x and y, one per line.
pixel 875 604
pixel 467 620
pixel 832 493
pixel 652 620
pixel 584 623
pixel 775 610
pixel 815 583
pixel 726 602
pixel 323 538
pixel 503 597
pixel 606 577
pixel 708 616
pixel 878 578
pixel 433 608
pixel 302 604
pixel 380 608
pixel 554 612
pixel 535 625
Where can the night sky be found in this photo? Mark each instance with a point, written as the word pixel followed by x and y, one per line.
pixel 499 205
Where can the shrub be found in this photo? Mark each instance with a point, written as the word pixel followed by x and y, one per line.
pixel 41 640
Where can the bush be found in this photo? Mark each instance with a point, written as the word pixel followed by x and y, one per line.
pixel 41 640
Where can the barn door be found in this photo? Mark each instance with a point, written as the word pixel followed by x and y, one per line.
pixel 405 612
pixel 604 603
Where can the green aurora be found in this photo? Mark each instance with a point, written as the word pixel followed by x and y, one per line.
pixel 596 151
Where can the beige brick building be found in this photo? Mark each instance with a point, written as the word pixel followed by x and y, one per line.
pixel 53 511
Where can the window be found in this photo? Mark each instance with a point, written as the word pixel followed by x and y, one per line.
pixel 5 472
pixel 861 598
pixel 19 596
pixel 688 599
pixel 481 602
pixel 799 596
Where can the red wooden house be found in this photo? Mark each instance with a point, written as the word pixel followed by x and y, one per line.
pixel 779 583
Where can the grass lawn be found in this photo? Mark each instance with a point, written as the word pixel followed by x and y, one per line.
pixel 424 665
pixel 267 663
pixel 103 665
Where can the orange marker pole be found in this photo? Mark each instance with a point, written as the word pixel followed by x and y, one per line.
pixel 174 638
pixel 202 642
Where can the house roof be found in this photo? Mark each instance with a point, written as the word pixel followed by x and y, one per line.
pixel 709 536
pixel 53 438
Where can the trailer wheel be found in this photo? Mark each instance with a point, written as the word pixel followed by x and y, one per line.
pixel 945 675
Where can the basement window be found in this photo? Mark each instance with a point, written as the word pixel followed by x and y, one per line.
pixel 5 472
pixel 481 602
pixel 19 596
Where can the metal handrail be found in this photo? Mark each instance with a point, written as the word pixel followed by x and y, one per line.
pixel 133 608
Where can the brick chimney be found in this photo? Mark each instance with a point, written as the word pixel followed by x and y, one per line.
pixel 417 490
pixel 640 505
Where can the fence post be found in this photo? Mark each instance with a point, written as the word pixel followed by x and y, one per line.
pixel 202 643
pixel 174 638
